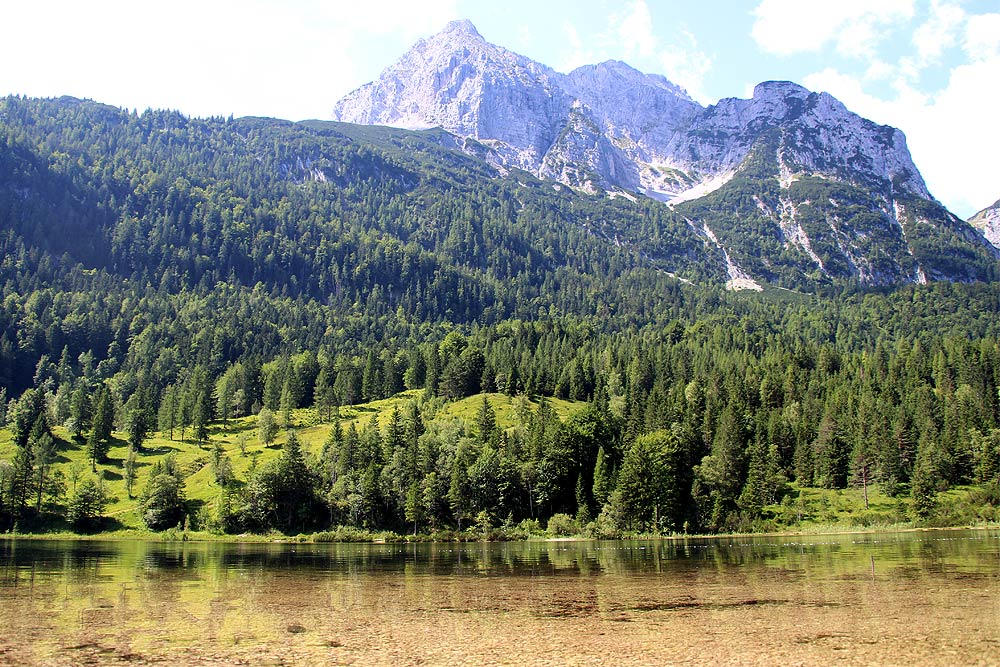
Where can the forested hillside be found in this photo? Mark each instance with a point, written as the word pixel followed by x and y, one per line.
pixel 168 274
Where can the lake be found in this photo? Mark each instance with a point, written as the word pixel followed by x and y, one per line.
pixel 909 598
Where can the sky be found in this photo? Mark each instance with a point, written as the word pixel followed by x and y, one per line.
pixel 928 67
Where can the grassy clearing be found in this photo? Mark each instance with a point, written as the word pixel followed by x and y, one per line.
pixel 238 440
pixel 804 510
pixel 826 510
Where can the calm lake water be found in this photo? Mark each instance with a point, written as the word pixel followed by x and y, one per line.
pixel 919 598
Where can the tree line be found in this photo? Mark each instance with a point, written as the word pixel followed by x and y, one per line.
pixel 687 427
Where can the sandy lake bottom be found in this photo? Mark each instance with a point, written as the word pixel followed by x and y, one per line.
pixel 930 598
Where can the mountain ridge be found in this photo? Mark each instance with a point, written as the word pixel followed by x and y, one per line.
pixel 608 128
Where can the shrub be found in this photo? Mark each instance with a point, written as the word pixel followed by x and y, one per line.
pixel 562 525
pixel 87 503
pixel 343 534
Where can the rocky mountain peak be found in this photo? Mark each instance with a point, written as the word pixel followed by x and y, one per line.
pixel 780 89
pixel 609 127
pixel 461 27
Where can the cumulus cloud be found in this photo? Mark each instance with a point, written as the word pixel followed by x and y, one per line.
pixel 853 27
pixel 982 37
pixel 578 53
pixel 948 128
pixel 687 65
pixel 630 37
pixel 635 30
pixel 940 32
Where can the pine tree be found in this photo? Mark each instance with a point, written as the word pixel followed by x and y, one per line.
pixel 25 414
pixel 138 422
pixel 79 410
pixel 324 396
pixel 167 417
pixel 486 422
pixel 99 442
pixel 603 482
pixel 202 404
pixel 923 489
pixel 225 388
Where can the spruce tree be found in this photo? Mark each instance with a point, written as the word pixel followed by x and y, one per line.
pixel 99 442
pixel 486 422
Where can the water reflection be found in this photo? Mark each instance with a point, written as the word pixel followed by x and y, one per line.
pixel 879 595
pixel 969 552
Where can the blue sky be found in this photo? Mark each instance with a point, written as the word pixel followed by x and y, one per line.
pixel 929 67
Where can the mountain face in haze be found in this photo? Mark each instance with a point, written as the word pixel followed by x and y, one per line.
pixel 988 222
pixel 826 192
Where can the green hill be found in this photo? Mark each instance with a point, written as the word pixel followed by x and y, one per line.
pixel 177 274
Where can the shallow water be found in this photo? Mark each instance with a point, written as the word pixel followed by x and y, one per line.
pixel 919 598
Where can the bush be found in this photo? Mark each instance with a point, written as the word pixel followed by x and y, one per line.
pixel 389 537
pixel 343 534
pixel 529 528
pixel 163 503
pixel 562 525
pixel 602 528
pixel 86 504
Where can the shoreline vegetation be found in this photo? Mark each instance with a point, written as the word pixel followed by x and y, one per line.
pixel 360 536
pixel 240 448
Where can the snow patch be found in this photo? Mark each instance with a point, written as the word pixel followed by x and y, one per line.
pixel 701 189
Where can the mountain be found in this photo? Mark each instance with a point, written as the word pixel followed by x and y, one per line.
pixel 184 271
pixel 988 222
pixel 790 183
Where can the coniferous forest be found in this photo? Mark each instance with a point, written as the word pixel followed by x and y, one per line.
pixel 172 284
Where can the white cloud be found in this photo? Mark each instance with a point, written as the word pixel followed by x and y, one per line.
pixel 405 18
pixel 578 53
pixel 635 30
pixel 630 36
pixel 687 66
pixel 853 27
pixel 879 70
pixel 982 37
pixel 949 134
pixel 940 32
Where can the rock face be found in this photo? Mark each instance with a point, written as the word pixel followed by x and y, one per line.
pixel 608 127
pixel 988 222
pixel 601 126
pixel 459 81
